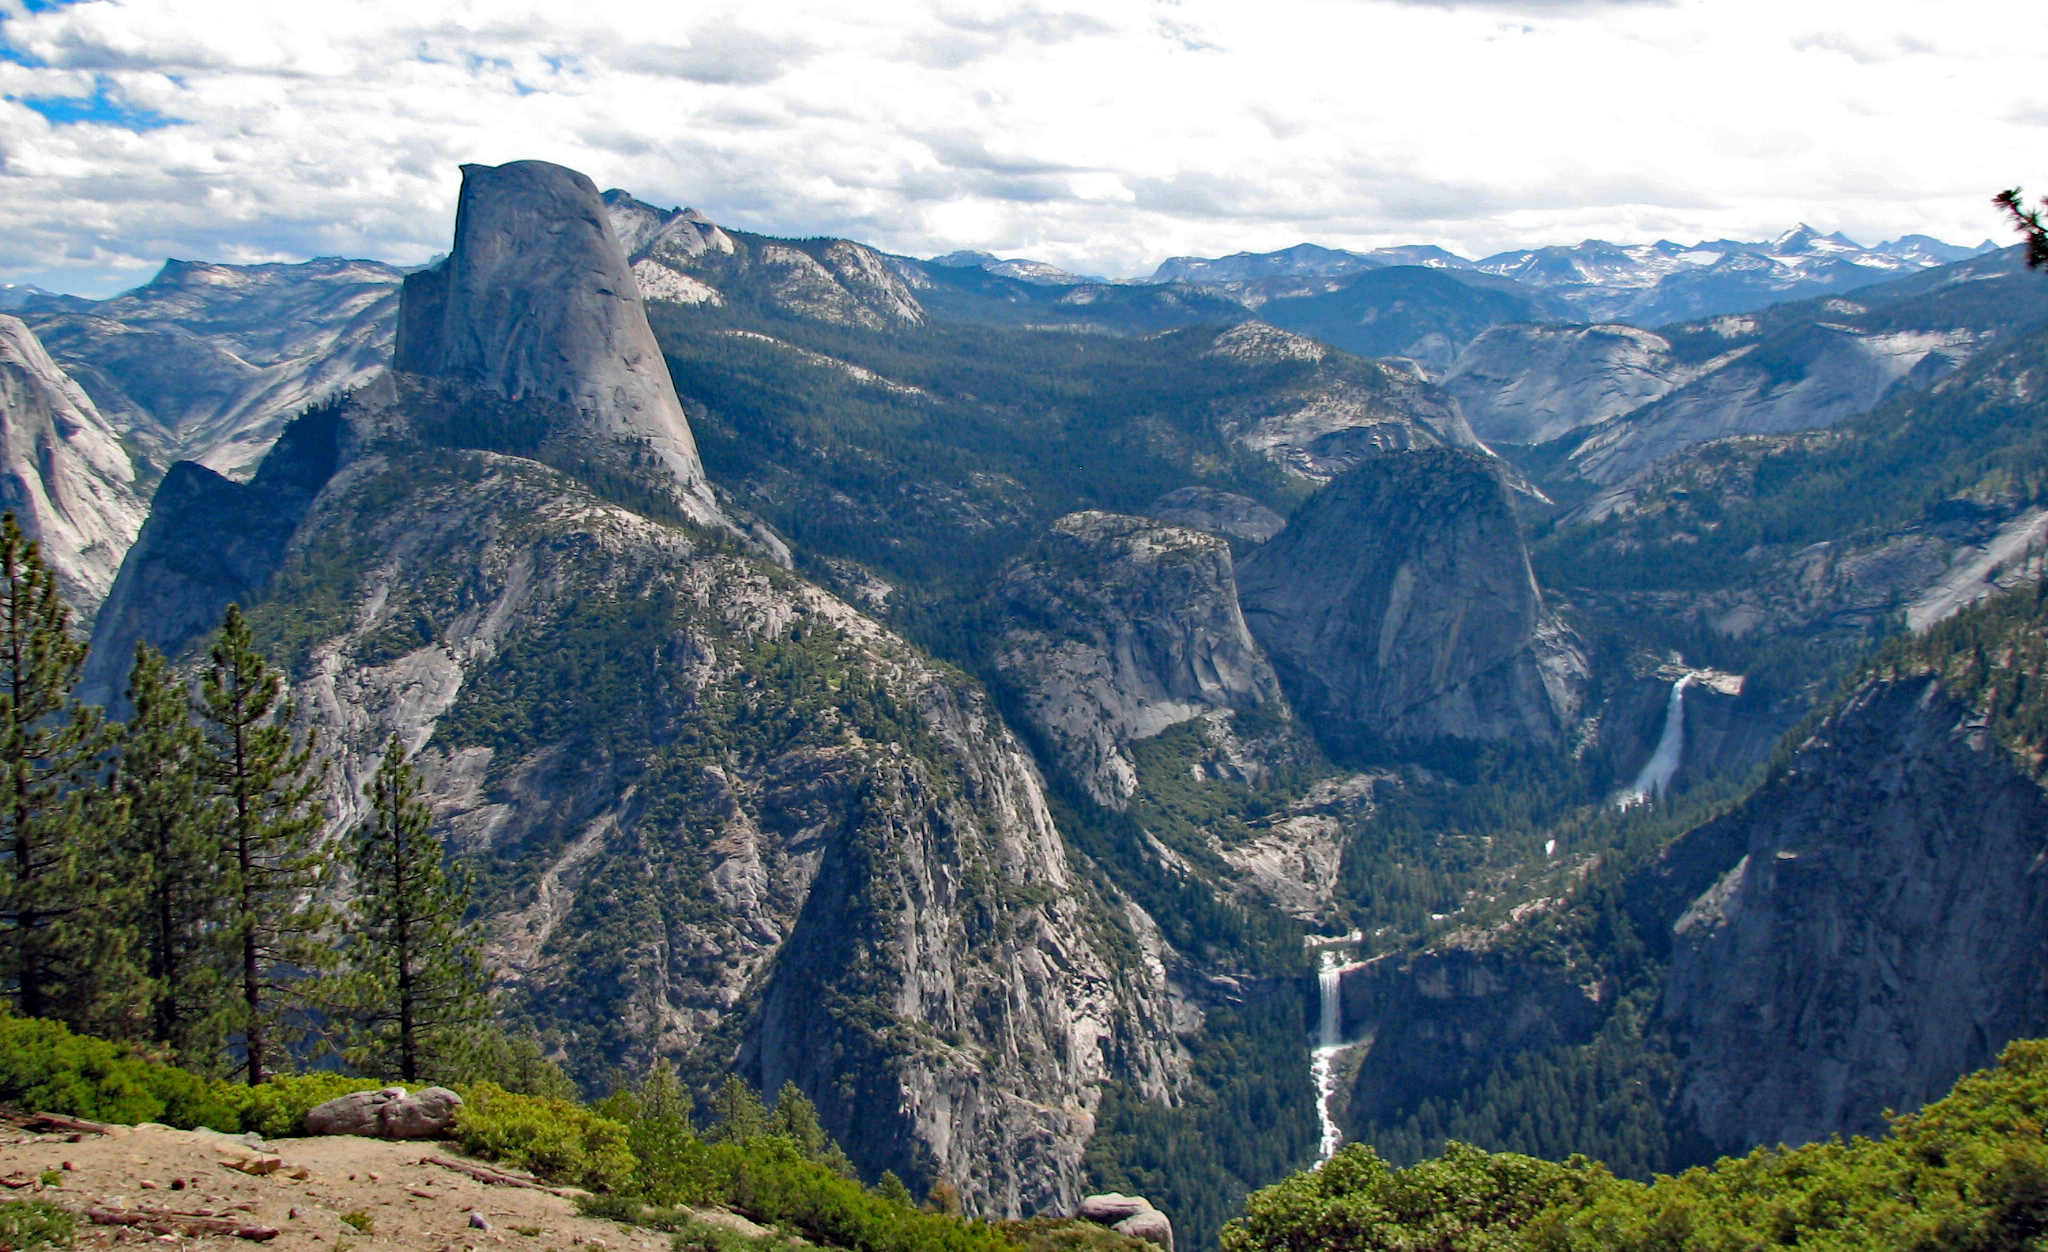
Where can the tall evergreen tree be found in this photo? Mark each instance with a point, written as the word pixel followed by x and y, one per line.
pixel 267 786
pixel 173 838
pixel 796 1119
pixel 417 987
pixel 736 1112
pixel 63 949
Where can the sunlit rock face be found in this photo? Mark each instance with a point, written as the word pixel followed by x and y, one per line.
pixel 1399 602
pixel 63 472
pixel 1119 628
pixel 537 300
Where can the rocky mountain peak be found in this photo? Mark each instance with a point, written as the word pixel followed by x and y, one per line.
pixel 537 300
pixel 1399 602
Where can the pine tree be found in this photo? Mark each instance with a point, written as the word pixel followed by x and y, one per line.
pixel 891 1188
pixel 64 951
pixel 796 1119
pixel 172 836
pixel 737 1112
pixel 268 789
pixel 417 985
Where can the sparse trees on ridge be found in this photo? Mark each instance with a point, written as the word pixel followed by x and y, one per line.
pixel 162 880
pixel 416 980
pixel 172 836
pixel 269 791
pixel 62 944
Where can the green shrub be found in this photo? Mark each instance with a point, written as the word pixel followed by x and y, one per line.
pixel 693 1235
pixel 46 1068
pixel 29 1224
pixel 278 1108
pixel 555 1139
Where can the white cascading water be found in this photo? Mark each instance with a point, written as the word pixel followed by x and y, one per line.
pixel 1658 771
pixel 1329 1042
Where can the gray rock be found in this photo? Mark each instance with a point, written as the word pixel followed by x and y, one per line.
pixel 1109 1208
pixel 1150 1225
pixel 1871 929
pixel 537 299
pixel 1399 602
pixel 1835 373
pixel 1218 512
pixel 210 362
pixel 1122 627
pixel 388 1113
pixel 209 540
pixel 63 471
pixel 1130 1215
pixel 1529 384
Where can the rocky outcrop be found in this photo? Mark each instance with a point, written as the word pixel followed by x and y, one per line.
pixel 1872 928
pixel 1119 627
pixel 1399 603
pixel 1344 412
pixel 209 541
pixel 63 472
pixel 388 1113
pixel 1530 384
pixel 1821 376
pixel 537 300
pixel 1130 1215
pixel 1218 512
pixel 209 362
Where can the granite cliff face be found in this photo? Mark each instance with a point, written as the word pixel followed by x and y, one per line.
pixel 1399 603
pixel 1117 628
pixel 1828 374
pixel 209 541
pixel 209 362
pixel 537 300
pixel 725 818
pixel 1218 512
pixel 1878 932
pixel 63 472
pixel 1530 384
pixel 1341 413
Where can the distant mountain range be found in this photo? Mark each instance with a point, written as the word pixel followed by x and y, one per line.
pixel 1642 284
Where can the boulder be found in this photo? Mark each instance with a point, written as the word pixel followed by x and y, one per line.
pixel 1129 1215
pixel 1151 1225
pixel 1111 1208
pixel 388 1113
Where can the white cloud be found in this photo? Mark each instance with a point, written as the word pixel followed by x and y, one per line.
pixel 1101 136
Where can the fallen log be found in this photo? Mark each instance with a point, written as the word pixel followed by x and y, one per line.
pixel 61 1122
pixel 166 1223
pixel 495 1177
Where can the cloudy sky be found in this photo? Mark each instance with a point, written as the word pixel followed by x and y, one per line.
pixel 1104 136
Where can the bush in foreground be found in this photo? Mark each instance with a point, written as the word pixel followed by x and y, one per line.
pixel 1968 1173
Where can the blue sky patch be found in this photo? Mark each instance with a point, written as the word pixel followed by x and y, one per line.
pixel 98 109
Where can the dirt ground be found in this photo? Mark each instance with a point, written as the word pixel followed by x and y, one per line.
pixel 398 1201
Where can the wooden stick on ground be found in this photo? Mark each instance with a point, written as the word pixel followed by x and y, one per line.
pixel 495 1177
pixel 62 1122
pixel 163 1223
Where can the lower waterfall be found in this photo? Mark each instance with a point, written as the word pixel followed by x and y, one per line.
pixel 1657 772
pixel 1322 1066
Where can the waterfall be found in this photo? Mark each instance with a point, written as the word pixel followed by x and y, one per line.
pixel 1657 772
pixel 1322 1066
